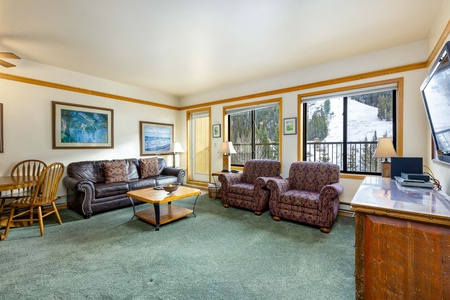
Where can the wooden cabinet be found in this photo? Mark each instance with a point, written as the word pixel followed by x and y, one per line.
pixel 402 241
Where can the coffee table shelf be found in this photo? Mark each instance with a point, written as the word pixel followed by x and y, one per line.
pixel 168 212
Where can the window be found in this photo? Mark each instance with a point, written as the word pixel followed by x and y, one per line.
pixel 255 132
pixel 344 128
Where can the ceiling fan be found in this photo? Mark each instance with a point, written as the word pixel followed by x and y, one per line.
pixel 7 55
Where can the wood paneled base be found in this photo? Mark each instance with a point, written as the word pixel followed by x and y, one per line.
pixel 402 259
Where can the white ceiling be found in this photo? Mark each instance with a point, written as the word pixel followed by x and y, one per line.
pixel 184 47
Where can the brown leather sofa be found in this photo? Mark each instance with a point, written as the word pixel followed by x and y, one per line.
pixel 89 193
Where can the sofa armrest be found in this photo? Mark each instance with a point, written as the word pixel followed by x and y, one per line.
pixel 330 193
pixel 177 172
pixel 82 193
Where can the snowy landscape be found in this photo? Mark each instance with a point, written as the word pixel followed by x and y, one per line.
pixel 362 122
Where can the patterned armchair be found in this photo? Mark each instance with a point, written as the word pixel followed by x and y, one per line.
pixel 310 194
pixel 248 189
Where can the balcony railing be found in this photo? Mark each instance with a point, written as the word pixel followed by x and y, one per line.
pixel 262 151
pixel 359 155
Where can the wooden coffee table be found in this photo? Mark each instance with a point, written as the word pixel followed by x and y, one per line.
pixel 160 215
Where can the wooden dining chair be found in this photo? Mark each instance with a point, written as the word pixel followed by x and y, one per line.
pixel 23 209
pixel 29 167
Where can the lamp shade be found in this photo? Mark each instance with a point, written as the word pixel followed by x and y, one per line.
pixel 385 148
pixel 177 148
pixel 226 148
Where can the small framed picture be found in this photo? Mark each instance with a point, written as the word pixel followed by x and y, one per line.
pixel 290 126
pixel 216 131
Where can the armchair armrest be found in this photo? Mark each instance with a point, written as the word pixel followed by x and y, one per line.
pixel 261 182
pixel 279 185
pixel 329 193
pixel 227 179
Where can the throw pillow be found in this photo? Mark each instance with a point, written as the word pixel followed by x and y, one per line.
pixel 115 171
pixel 149 167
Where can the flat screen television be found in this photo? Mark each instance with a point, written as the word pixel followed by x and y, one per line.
pixel 436 96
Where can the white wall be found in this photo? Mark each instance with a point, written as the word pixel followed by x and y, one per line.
pixel 415 122
pixel 27 116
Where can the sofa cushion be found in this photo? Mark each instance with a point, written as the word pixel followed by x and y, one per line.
pixel 110 189
pixel 115 171
pixel 149 167
pixel 131 164
pixel 142 183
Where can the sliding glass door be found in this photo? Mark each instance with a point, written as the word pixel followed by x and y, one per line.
pixel 199 146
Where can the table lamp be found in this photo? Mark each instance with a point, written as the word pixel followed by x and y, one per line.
pixel 384 150
pixel 227 149
pixel 176 149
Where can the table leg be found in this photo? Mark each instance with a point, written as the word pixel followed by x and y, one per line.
pixel 134 208
pixel 157 216
pixel 193 210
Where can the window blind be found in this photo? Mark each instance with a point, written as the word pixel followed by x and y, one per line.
pixel 237 110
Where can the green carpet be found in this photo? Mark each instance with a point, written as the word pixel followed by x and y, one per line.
pixel 220 254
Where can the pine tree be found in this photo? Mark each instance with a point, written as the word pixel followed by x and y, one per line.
pixel 352 158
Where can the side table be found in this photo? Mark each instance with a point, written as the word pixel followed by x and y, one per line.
pixel 217 194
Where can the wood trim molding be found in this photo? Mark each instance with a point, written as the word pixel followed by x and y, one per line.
pixel 437 48
pixel 81 90
pixel 317 84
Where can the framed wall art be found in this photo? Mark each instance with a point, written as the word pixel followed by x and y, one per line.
pixel 216 131
pixel 81 126
pixel 156 138
pixel 290 126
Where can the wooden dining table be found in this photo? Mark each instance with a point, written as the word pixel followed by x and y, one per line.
pixel 8 183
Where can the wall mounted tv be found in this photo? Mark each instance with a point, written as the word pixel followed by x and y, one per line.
pixel 436 96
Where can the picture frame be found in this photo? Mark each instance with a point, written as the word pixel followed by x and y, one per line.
pixel 290 126
pixel 216 132
pixel 155 138
pixel 1 127
pixel 82 127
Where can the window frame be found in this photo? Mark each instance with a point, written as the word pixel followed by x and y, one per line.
pixel 226 117
pixel 397 127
